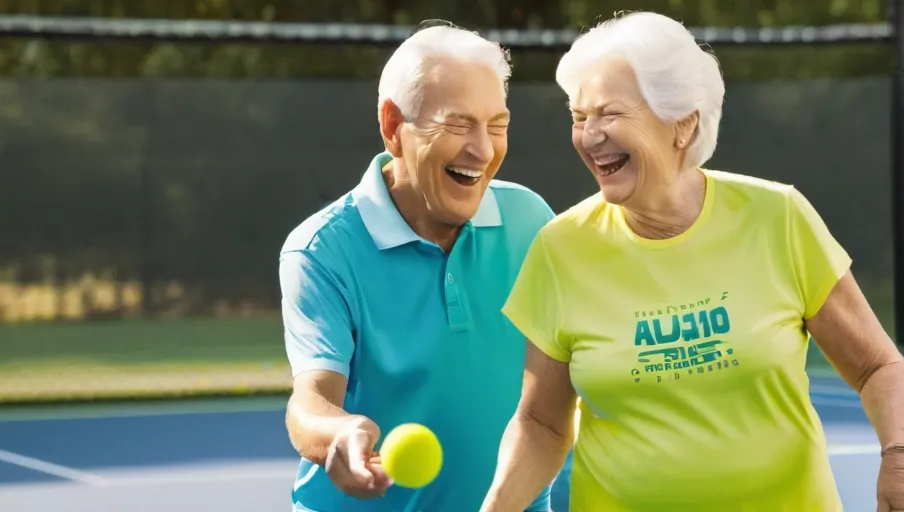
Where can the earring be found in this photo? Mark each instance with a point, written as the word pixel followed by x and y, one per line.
pixel 681 143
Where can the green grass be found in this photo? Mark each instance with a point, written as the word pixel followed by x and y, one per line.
pixel 200 341
pixel 180 357
pixel 136 358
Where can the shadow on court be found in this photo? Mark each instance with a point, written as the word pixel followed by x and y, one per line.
pixel 203 457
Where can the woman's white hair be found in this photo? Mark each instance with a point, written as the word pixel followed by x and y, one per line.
pixel 675 75
pixel 402 74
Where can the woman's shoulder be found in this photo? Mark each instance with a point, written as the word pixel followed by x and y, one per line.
pixel 577 216
pixel 740 189
pixel 746 181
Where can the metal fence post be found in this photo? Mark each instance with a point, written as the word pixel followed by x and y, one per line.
pixel 897 158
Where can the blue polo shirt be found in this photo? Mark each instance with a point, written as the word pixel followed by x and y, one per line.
pixel 418 333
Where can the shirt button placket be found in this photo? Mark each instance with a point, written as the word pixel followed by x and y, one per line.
pixel 454 307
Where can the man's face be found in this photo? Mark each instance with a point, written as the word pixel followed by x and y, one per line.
pixel 458 141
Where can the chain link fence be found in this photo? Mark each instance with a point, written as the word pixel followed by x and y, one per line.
pixel 141 219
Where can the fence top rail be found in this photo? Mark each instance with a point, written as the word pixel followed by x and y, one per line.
pixel 60 27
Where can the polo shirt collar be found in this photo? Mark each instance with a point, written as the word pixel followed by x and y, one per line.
pixel 384 222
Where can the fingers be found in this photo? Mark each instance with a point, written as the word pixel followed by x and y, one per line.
pixel 358 455
pixel 381 479
pixel 353 466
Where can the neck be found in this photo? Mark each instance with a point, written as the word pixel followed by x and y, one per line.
pixel 672 210
pixel 413 208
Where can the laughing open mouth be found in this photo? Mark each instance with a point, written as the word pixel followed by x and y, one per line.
pixel 611 164
pixel 463 176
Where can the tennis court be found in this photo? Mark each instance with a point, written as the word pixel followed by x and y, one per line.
pixel 234 456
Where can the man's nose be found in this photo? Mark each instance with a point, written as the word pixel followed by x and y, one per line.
pixel 481 146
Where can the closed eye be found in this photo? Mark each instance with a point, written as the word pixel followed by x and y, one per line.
pixel 457 129
pixel 498 129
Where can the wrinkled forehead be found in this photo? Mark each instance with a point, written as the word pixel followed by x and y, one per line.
pixel 465 90
pixel 605 80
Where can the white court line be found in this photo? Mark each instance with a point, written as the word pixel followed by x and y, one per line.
pixel 853 449
pixel 232 476
pixel 200 478
pixel 24 414
pixel 83 477
pixel 98 481
pixel 50 468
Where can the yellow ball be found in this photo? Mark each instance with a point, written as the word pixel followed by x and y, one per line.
pixel 411 455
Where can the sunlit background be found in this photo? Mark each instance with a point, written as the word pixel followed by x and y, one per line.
pixel 150 171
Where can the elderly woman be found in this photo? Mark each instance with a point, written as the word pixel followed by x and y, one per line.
pixel 676 305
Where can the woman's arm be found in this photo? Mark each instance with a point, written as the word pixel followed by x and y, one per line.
pixel 537 438
pixel 853 340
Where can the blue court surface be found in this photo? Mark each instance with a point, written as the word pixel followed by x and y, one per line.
pixel 234 456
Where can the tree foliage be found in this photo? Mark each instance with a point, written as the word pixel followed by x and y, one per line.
pixel 21 57
pixel 120 160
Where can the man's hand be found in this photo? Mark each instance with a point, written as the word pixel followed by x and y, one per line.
pixel 352 464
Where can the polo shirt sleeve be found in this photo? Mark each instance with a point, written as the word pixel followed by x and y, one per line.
pixel 819 261
pixel 316 317
pixel 534 304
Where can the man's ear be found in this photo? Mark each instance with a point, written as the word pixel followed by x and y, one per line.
pixel 686 129
pixel 391 121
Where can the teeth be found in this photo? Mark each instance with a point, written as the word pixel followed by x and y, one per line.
pixel 471 173
pixel 608 159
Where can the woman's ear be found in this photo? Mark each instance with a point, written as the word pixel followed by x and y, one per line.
pixel 686 129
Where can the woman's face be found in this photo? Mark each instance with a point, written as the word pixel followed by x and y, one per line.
pixel 629 150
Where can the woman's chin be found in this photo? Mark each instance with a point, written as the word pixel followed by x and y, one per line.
pixel 617 187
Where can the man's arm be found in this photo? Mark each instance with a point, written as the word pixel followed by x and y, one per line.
pixel 319 343
pixel 538 436
pixel 314 416
pixel 322 432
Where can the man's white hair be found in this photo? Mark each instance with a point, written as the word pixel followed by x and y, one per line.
pixel 675 75
pixel 402 74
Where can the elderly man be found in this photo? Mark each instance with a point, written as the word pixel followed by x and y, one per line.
pixel 392 294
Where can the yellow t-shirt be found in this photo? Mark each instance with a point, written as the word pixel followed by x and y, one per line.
pixel 688 354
